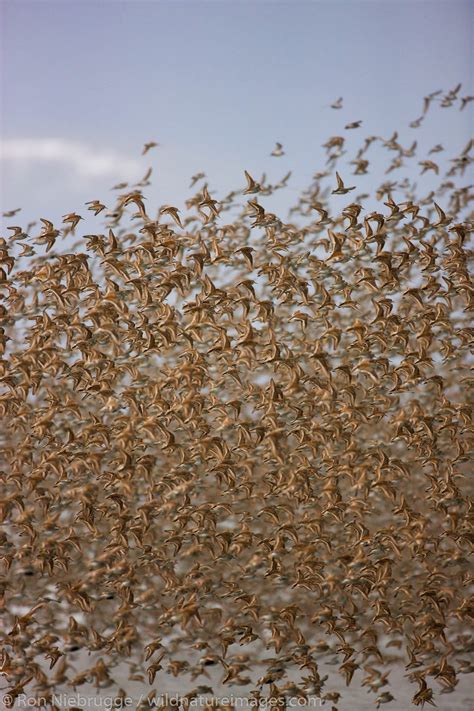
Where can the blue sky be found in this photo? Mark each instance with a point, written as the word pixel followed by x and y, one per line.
pixel 85 84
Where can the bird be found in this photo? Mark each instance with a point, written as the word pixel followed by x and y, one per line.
pixel 341 189
pixel 72 219
pixel 96 206
pixel 417 122
pixel 429 165
pixel 465 100
pixel 148 146
pixel 337 104
pixel 173 211
pixel 278 151
pixel 196 178
pixel 252 185
pixel 146 178
pixel 429 98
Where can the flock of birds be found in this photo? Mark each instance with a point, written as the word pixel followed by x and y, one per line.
pixel 239 444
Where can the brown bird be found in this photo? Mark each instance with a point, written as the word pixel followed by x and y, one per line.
pixel 252 185
pixel 429 165
pixel 148 146
pixel 341 188
pixel 96 206
pixel 173 211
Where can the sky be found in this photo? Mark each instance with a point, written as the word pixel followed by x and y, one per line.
pixel 216 83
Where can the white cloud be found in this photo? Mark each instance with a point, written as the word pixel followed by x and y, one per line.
pixel 87 161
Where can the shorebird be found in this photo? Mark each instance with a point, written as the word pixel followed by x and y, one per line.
pixel 278 150
pixel 148 146
pixel 341 189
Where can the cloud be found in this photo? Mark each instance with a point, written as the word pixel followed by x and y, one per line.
pixel 87 161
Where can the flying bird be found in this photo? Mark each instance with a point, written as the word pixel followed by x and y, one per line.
pixel 341 188
pixel 148 146
pixel 278 150
pixel 337 104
